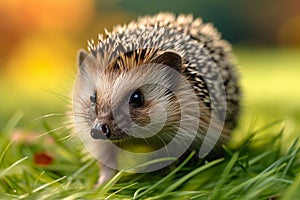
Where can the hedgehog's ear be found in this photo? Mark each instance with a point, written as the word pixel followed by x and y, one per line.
pixel 81 55
pixel 170 59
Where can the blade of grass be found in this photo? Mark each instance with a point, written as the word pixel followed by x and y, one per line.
pixel 12 122
pixel 293 191
pixel 38 178
pixel 9 127
pixel 80 170
pixel 267 126
pixel 5 150
pixel 176 194
pixel 47 184
pixel 133 168
pixel 191 174
pixel 78 195
pixel 224 176
pixel 251 181
pixel 112 194
pixel 3 173
pixel 105 188
pixel 284 158
pixel 136 195
pixel 260 157
pixel 113 181
pixel 263 185
pixel 293 150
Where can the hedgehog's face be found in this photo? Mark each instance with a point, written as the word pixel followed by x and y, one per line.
pixel 113 117
pixel 114 104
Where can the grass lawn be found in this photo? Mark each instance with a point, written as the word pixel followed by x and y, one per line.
pixel 261 162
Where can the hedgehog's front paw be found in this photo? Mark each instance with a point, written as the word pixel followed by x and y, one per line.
pixel 106 173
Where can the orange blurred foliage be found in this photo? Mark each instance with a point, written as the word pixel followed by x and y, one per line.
pixel 289 32
pixel 37 42
pixel 24 18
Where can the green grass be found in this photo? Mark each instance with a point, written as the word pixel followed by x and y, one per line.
pixel 262 160
pixel 253 169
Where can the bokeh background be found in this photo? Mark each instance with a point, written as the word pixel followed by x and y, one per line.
pixel 39 41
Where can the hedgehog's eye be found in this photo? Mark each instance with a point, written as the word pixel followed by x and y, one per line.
pixel 93 98
pixel 136 99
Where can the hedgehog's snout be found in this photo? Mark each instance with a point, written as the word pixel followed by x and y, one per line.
pixel 101 131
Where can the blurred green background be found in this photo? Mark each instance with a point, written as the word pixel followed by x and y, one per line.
pixel 39 41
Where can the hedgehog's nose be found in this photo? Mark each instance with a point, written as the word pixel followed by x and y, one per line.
pixel 100 131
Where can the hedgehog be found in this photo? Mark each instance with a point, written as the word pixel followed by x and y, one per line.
pixel 165 82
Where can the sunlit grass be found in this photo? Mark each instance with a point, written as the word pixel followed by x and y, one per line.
pixel 248 171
